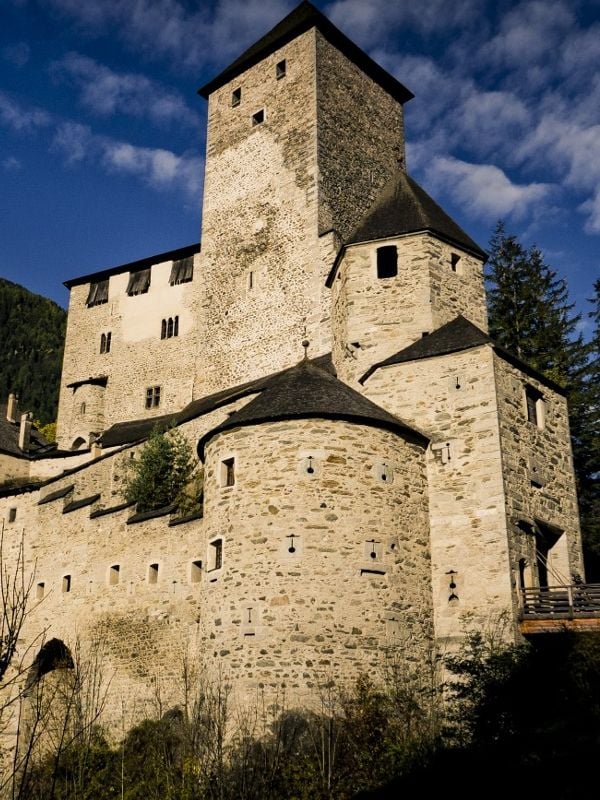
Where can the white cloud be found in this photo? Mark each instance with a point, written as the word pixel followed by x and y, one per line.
pixel 591 207
pixel 14 115
pixel 106 92
pixel 484 190
pixel 17 54
pixel 157 167
pixel 11 164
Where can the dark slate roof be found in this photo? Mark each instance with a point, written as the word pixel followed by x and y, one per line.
pixel 188 518
pixel 133 266
pixel 454 336
pixel 141 516
pixel 306 391
pixel 404 207
pixel 301 19
pixel 9 438
pixel 138 429
pixel 101 512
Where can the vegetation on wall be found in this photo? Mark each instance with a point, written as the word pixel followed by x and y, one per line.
pixel 531 317
pixel 33 332
pixel 163 473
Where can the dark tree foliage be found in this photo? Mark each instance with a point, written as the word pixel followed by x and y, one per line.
pixel 33 332
pixel 531 317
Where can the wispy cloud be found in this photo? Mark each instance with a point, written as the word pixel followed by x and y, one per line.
pixel 16 54
pixel 157 167
pixel 23 120
pixel 11 164
pixel 106 92
pixel 169 29
pixel 484 190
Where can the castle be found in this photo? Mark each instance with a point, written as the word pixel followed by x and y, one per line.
pixel 375 467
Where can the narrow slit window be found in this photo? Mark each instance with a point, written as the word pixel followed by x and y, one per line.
pixel 176 326
pixel 170 328
pixel 153 573
pixel 259 117
pixel 163 329
pixel 236 97
pixel 196 571
pixel 66 584
pixel 250 281
pixel 12 514
pixel 108 341
pixel 215 555
pixel 228 472
pixel 114 573
pixel 39 590
pixel 82 408
pixel 536 409
pixel 387 261
pixel 280 69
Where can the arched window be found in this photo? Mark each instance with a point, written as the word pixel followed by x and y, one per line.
pixel 103 343
pixel 176 327
pixel 170 328
pixel 163 329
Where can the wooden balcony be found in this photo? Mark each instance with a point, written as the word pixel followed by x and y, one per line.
pixel 555 609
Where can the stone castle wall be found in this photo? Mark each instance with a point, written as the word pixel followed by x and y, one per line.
pixel 138 357
pixel 384 315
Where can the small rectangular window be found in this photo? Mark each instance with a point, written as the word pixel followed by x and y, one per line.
pixel 387 261
pixel 39 590
pixel 236 97
pixel 454 259
pixel 139 282
pixel 114 574
pixel 228 472
pixel 152 396
pixel 66 584
pixel 215 555
pixel 259 117
pixel 182 271
pixel 195 571
pixel 280 69
pixel 153 573
pixel 12 514
pixel 98 293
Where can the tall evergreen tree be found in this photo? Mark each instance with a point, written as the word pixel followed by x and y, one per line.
pixel 530 316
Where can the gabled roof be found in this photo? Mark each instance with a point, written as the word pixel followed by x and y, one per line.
pixel 301 19
pixel 404 207
pixel 306 392
pixel 459 334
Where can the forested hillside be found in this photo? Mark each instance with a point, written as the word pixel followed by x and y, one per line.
pixel 32 332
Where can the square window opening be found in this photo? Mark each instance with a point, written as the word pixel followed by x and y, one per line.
pixel 280 69
pixel 236 97
pixel 114 574
pixel 259 117
pixel 387 261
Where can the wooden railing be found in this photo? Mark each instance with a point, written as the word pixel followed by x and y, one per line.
pixel 577 600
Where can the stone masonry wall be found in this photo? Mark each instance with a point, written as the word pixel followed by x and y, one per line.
pixel 138 357
pixel 543 453
pixel 270 616
pixel 386 315
pixel 452 398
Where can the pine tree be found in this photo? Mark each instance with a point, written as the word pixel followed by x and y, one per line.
pixel 531 317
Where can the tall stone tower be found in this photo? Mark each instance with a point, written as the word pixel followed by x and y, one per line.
pixel 304 130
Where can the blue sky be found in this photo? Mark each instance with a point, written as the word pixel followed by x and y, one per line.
pixel 102 133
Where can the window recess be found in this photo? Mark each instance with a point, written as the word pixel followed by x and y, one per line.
pixel 98 293
pixel 387 261
pixel 139 282
pixel 182 271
